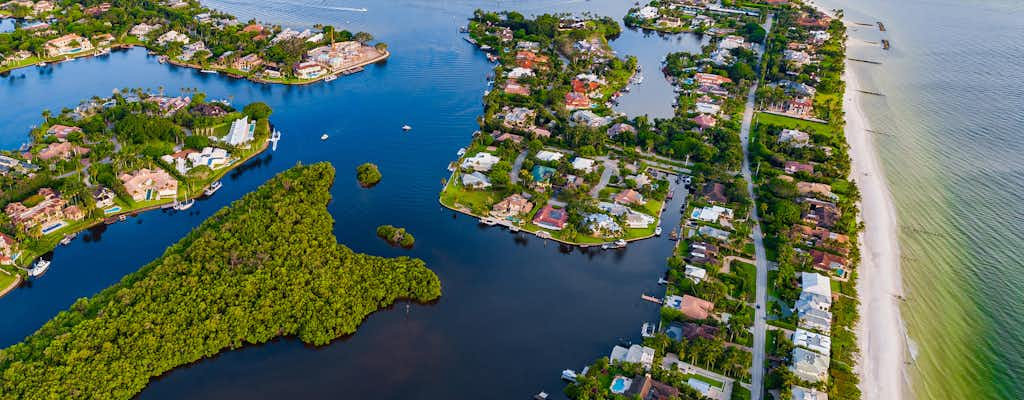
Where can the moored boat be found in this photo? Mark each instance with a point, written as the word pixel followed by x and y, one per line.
pixel 214 187
pixel 657 231
pixel 182 206
pixel 39 268
pixel 323 137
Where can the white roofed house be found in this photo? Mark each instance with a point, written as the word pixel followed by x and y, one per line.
pixel 696 274
pixel 589 119
pixel 548 156
pixel 816 342
pixel 816 283
pixel 796 57
pixel 802 393
pixel 242 131
pixel 732 42
pixel 520 72
pixel 636 354
pixel 519 117
pixel 795 138
pixel 647 12
pixel 172 36
pixel 809 366
pixel 583 164
pixel 815 319
pixel 482 161
pixel 140 31
pixel 475 180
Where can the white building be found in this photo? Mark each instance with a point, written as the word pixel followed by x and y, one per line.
pixel 583 164
pixel 547 156
pixel 795 138
pixel 589 119
pixel 482 161
pixel 172 36
pixel 636 354
pixel 241 132
pixel 711 214
pixel 801 393
pixel 809 366
pixel 815 342
pixel 476 180
pixel 696 274
pixel 647 12
pixel 520 72
pixel 816 283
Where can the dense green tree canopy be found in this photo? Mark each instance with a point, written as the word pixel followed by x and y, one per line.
pixel 267 266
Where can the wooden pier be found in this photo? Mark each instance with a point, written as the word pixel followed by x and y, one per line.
pixel 651 299
pixel 864 61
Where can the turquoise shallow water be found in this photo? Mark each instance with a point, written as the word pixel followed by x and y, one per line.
pixel 952 120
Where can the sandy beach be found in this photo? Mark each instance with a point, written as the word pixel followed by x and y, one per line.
pixel 881 333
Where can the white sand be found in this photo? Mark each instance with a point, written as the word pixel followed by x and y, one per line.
pixel 881 334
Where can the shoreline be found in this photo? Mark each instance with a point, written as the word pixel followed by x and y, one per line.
pixel 881 334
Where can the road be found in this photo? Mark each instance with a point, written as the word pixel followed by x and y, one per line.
pixel 757 366
pixel 517 166
pixel 611 167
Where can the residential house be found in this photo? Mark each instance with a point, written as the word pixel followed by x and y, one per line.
pixel 828 262
pixel 802 393
pixel 809 366
pixel 142 30
pixel 103 39
pixel 67 45
pixel 172 36
pixel 551 218
pixel 638 220
pixel 796 88
pixel 520 117
pixel 169 105
pixel 482 161
pixel 208 110
pixel 629 196
pixel 714 233
pixel 504 34
pixel 602 224
pixel 635 354
pixel 514 87
pixel 247 63
pixel 795 138
pixel 586 85
pixel 815 319
pixel 648 12
pixel 620 128
pixel 796 57
pixel 530 60
pixel 519 73
pixel 732 42
pixel 97 9
pixel 647 388
pixel 188 51
pixel 696 274
pixel 512 206
pixel 692 307
pixel 61 132
pixel 476 180
pixel 820 213
pixel 702 253
pixel 792 167
pixel 801 107
pixel 575 101
pixel 705 121
pixel 242 131
pixel 583 164
pixel 530 46
pixel 815 342
pixel 711 213
pixel 548 156
pixel 670 22
pixel 817 236
pixel 62 151
pixel 589 119
pixel 706 105
pixel 808 188
pixel 8 249
pixel 501 137
pixel 710 79
pixel 818 38
pixel 48 209
pixel 103 196
pixel 308 70
pixel 147 184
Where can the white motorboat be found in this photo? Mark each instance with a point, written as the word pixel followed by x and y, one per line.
pixel 214 187
pixel 185 205
pixel 569 375
pixel 330 78
pixel 657 231
pixel 39 268
pixel 406 128
pixel 323 137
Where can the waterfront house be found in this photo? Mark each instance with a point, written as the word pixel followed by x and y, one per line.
pixel 308 70
pixel 583 164
pixel 670 22
pixel 815 342
pixel 809 366
pixel 800 107
pixel 103 196
pixel 482 161
pixel 816 283
pixel 142 30
pixel 529 60
pixel 48 209
pixel 808 188
pixel 647 388
pixel 711 213
pixel 103 39
pixel 714 233
pixel 62 151
pixel 702 253
pixel 820 213
pixel 504 34
pixel 638 220
pixel 815 319
pixel 635 354
pixel 705 121
pixel 796 57
pixel 67 45
pixel 796 88
pixel 809 300
pixel 710 79
pixel 242 131
pixel 208 110
pixel 692 307
pixel 794 138
pixel 701 21
pixel 575 101
pixel 170 105
pixel 816 236
pixel 629 196
pixel 188 51
pixel 512 206
pixel 475 180
pixel 732 42
pixel 551 218
pixel 530 46
pixel 802 393
pixel 519 73
pixel 146 184
pixel 500 137
pixel 816 20
pixel 247 63
pixel 519 117
pixel 61 132
pixel 602 224
pixel 792 167
pixel 696 274
pixel 514 87
pixel 589 119
pixel 42 7
pixel 647 12
pixel 705 106
pixel 620 128
pixel 828 262
pixel 548 156
pixel 586 85
pixel 8 248
pixel 172 36
pixel 818 38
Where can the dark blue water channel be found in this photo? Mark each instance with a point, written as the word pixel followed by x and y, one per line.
pixel 515 310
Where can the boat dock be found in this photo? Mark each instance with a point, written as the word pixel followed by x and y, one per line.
pixel 651 299
pixel 864 61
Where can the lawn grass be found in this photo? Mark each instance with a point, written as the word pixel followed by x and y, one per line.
pixel 705 379
pixel 793 123
pixel 6 279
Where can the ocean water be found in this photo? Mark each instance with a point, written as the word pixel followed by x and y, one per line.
pixel 951 139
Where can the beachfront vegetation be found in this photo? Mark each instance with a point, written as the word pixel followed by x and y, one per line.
pixel 396 236
pixel 267 266
pixel 367 174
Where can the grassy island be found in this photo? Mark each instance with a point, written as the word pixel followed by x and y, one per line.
pixel 368 175
pixel 396 236
pixel 183 33
pixel 267 266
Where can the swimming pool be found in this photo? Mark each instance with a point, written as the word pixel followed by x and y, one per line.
pixel 50 229
pixel 621 384
pixel 112 210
